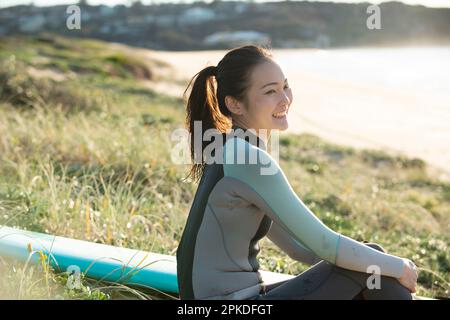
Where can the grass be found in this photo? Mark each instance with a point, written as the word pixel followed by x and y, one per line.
pixel 88 157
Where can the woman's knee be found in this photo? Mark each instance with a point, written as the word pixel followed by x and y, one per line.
pixel 359 277
pixel 392 289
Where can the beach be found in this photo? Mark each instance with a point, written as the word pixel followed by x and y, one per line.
pixel 391 99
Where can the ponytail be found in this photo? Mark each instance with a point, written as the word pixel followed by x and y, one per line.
pixel 202 105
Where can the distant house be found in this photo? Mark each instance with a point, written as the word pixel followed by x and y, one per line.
pixel 196 15
pixel 165 20
pixel 85 16
pixel 5 14
pixel 136 20
pixel 105 29
pixel 54 19
pixel 118 28
pixel 237 38
pixel 106 11
pixel 31 23
pixel 265 7
pixel 241 7
pixel 150 19
pixel 322 41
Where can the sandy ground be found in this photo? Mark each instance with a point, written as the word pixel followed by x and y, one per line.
pixel 350 113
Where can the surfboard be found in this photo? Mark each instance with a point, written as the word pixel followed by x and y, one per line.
pixel 104 262
pixel 100 261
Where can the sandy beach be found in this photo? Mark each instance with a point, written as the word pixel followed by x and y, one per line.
pixel 333 100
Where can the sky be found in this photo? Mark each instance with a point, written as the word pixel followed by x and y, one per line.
pixel 7 3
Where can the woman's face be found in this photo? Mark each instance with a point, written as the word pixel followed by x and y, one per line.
pixel 268 99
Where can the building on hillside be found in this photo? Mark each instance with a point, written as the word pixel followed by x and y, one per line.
pixel 196 15
pixel 237 38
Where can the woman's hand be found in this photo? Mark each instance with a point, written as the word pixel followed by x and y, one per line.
pixel 409 277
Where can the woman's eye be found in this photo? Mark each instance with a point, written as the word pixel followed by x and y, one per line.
pixel 270 91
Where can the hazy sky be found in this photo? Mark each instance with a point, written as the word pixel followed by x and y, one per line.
pixel 7 3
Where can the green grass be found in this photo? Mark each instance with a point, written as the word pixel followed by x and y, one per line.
pixel 89 158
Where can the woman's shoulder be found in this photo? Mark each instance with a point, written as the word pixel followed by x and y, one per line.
pixel 242 159
pixel 237 146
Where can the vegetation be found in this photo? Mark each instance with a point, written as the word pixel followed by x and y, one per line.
pixel 85 153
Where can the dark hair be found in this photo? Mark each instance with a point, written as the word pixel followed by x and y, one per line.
pixel 206 102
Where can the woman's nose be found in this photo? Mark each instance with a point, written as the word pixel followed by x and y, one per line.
pixel 286 98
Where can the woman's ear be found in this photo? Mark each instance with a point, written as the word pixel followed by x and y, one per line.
pixel 234 106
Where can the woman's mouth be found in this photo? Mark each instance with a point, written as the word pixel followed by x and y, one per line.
pixel 280 115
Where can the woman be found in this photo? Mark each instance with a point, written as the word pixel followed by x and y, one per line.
pixel 237 203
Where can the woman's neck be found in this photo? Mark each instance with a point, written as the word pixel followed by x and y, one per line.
pixel 263 134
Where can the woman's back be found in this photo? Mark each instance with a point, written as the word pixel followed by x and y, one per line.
pixel 216 257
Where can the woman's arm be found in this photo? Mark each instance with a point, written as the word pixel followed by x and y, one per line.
pixel 290 246
pixel 272 193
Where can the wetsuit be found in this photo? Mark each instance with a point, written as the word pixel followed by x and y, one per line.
pixel 237 204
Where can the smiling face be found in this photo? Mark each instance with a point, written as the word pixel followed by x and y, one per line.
pixel 267 100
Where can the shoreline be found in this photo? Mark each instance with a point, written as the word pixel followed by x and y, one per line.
pixel 360 115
